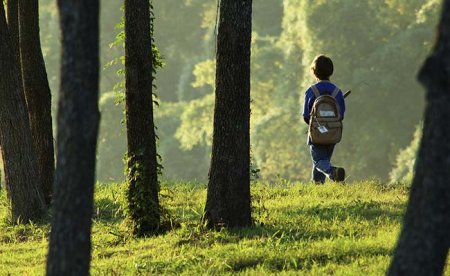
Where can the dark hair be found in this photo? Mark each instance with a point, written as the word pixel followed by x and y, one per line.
pixel 322 67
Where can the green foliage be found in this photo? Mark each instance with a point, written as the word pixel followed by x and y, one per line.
pixel 196 123
pixel 406 159
pixel 112 139
pixel 376 56
pixel 302 230
pixel 178 159
pixel 205 74
pixel 377 47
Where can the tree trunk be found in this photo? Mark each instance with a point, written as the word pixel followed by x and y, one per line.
pixel 19 159
pixel 425 238
pixel 12 12
pixel 13 26
pixel 228 198
pixel 78 121
pixel 12 17
pixel 37 93
pixel 142 160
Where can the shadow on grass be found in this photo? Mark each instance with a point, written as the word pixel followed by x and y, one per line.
pixel 359 211
pixel 285 235
pixel 307 261
pixel 351 222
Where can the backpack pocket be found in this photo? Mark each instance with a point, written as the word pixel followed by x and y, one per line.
pixel 325 132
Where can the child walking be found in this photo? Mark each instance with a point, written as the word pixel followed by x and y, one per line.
pixel 322 69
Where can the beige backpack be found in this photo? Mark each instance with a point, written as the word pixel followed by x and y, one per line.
pixel 325 127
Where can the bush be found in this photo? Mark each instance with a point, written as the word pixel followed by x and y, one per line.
pixel 405 163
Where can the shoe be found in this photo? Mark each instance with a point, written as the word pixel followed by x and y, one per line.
pixel 337 174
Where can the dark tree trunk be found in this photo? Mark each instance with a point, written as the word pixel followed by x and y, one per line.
pixel 37 93
pixel 12 13
pixel 228 199
pixel 78 120
pixel 19 159
pixel 425 238
pixel 12 16
pixel 142 160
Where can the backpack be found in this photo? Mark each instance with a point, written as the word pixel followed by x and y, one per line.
pixel 325 126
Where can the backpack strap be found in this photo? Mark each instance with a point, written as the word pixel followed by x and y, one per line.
pixel 335 92
pixel 315 91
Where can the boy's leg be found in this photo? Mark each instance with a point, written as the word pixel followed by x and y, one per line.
pixel 317 176
pixel 337 173
pixel 321 156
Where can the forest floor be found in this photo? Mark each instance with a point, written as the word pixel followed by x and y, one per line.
pixel 299 229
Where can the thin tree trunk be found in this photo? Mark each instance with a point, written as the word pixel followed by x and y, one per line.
pixel 78 121
pixel 19 159
pixel 142 160
pixel 425 238
pixel 37 93
pixel 228 198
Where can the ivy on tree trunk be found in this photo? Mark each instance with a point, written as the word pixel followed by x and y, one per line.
pixel 142 166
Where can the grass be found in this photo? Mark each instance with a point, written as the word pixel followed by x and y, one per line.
pixel 300 229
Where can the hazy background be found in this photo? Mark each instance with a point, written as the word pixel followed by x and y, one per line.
pixel 377 47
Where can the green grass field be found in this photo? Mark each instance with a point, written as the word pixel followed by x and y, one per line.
pixel 299 229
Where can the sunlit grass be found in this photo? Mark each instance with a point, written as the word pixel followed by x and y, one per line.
pixel 300 229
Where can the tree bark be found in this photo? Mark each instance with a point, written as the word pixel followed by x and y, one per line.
pixel 78 121
pixel 424 242
pixel 19 159
pixel 12 12
pixel 12 17
pixel 37 93
pixel 228 198
pixel 142 160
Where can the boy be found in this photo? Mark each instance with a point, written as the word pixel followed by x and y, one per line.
pixel 322 68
